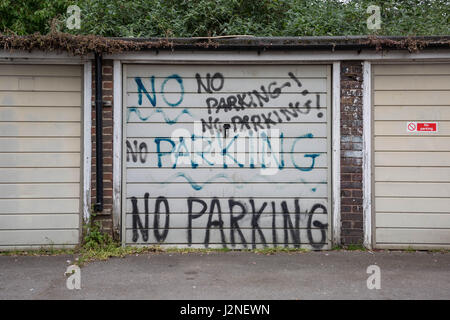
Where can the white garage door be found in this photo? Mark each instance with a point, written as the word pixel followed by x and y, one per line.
pixel 412 155
pixel 40 130
pixel 233 156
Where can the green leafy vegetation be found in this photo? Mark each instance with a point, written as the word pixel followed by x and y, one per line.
pixel 350 247
pixel 194 18
pixel 29 16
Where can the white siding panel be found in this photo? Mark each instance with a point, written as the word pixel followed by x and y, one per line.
pixel 291 130
pixel 412 170
pixel 40 155
pixel 411 98
pixel 199 100
pixel 44 99
pixel 433 205
pixel 53 144
pixel 153 115
pixel 416 189
pixel 40 190
pixel 412 174
pixel 39 160
pixel 413 236
pixel 413 159
pixel 265 221
pixel 233 85
pixel 237 175
pixel 415 220
pixel 412 69
pixel 179 205
pixel 32 83
pixel 412 113
pixel 413 82
pixel 398 128
pixel 416 143
pixel 15 70
pixel 24 175
pixel 229 190
pixel 29 206
pixel 39 129
pixel 229 71
pixel 47 114
pixel 40 237
pixel 180 236
pixel 39 221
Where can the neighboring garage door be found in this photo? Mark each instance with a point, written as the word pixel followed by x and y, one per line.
pixel 412 155
pixel 273 189
pixel 40 130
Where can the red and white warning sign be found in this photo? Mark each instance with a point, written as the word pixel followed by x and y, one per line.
pixel 422 127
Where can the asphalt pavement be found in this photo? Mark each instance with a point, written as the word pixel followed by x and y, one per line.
pixel 232 275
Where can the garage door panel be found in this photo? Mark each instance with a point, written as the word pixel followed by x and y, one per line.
pixel 421 98
pixel 180 236
pixel 305 143
pixel 40 99
pixel 411 169
pixel 412 69
pixel 151 115
pixel 44 237
pixel 164 170
pixel 40 190
pixel 412 174
pixel 236 175
pixel 413 220
pixel 229 71
pixel 417 189
pixel 40 70
pixel 398 128
pixel 416 205
pixel 412 113
pixel 39 221
pixel 48 206
pixel 265 220
pixel 230 189
pixel 269 204
pixel 51 144
pixel 33 83
pixel 302 162
pixel 23 175
pixel 39 160
pixel 419 143
pixel 39 129
pixel 412 159
pixel 234 85
pixel 138 130
pixel 43 114
pixel 199 100
pixel 412 82
pixel 40 155
pixel 413 236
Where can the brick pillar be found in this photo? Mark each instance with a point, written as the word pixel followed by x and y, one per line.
pixel 105 217
pixel 351 153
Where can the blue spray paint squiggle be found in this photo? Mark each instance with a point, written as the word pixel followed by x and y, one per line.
pixel 166 118
pixel 199 186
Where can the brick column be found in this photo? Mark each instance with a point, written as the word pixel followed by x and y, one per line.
pixel 351 153
pixel 105 217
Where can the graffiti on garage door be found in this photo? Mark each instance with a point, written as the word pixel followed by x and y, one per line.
pixel 235 157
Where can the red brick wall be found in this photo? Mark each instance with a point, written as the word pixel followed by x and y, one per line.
pixel 351 153
pixel 105 217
